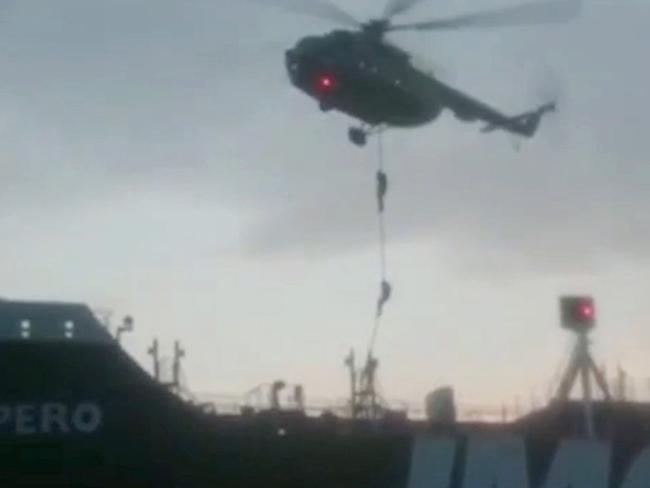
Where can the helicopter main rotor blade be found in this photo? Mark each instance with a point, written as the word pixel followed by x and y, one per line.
pixel 323 9
pixel 396 7
pixel 535 12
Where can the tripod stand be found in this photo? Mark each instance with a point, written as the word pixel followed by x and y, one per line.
pixel 581 363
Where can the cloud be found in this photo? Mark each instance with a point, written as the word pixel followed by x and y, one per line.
pixel 105 99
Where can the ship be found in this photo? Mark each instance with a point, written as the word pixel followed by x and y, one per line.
pixel 77 411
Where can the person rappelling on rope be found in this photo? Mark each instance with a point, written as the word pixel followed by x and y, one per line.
pixel 383 297
pixel 382 188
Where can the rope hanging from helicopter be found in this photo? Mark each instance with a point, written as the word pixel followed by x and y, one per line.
pixel 385 287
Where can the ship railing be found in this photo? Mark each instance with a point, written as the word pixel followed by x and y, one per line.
pixel 235 404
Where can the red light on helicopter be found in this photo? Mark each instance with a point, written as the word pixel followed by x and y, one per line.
pixel 325 83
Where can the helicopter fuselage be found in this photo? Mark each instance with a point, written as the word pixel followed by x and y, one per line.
pixel 359 74
pixel 365 78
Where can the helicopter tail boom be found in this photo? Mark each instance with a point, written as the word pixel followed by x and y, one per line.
pixel 525 124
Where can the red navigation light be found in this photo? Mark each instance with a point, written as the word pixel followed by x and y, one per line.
pixel 578 312
pixel 325 83
pixel 586 311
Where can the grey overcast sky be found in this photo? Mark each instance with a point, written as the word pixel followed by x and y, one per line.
pixel 155 161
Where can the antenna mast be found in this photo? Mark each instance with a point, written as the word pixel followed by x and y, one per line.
pixel 153 352
pixel 127 326
pixel 179 353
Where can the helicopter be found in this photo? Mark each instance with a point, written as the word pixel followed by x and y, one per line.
pixel 357 72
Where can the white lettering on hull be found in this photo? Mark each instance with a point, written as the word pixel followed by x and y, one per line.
pixel 27 419
pixel 53 419
pixel 87 417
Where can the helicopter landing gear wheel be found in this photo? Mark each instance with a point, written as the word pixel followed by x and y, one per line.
pixel 357 136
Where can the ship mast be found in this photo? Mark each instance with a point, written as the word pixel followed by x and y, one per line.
pixel 349 363
pixel 368 400
pixel 364 401
pixel 578 314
